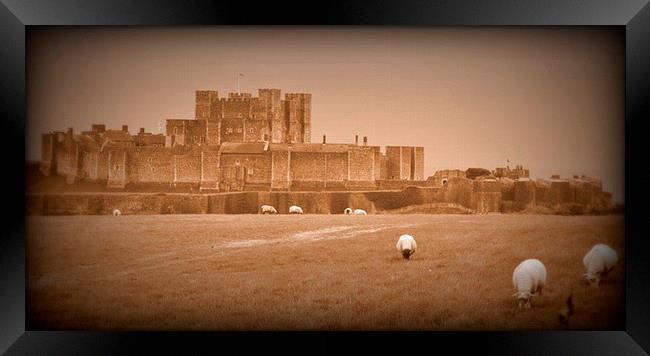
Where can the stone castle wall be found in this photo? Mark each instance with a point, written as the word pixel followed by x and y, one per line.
pixel 479 196
pixel 354 168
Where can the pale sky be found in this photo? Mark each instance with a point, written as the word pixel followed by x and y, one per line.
pixel 551 99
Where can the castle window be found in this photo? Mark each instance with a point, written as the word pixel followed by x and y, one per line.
pixel 175 130
pixel 251 130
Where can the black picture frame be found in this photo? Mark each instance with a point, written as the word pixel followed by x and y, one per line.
pixel 17 16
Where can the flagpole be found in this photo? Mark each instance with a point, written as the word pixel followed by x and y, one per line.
pixel 238 77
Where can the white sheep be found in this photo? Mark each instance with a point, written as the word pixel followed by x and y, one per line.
pixel 599 261
pixel 347 211
pixel 360 212
pixel 294 209
pixel 528 278
pixel 117 212
pixel 268 209
pixel 406 246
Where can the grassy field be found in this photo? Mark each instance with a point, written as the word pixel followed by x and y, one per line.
pixel 314 272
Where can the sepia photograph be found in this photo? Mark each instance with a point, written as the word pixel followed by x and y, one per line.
pixel 325 178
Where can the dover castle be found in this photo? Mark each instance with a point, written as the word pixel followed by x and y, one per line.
pixel 232 144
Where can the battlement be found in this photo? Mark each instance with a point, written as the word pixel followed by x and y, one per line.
pixel 292 96
pixel 205 96
pixel 267 91
pixel 239 96
pixel 513 173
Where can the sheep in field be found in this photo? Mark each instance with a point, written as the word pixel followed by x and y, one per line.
pixel 599 261
pixel 294 209
pixel 267 209
pixel 117 212
pixel 528 278
pixel 360 212
pixel 406 246
pixel 347 211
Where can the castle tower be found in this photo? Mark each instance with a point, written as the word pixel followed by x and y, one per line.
pixel 236 110
pixel 205 99
pixel 298 110
pixel 243 118
pixel 271 99
pixel 292 130
pixel 208 108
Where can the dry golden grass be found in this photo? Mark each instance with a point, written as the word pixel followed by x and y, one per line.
pixel 316 272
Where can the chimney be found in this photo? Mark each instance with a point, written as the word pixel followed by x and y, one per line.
pixel 99 128
pixel 356 140
pixel 125 128
pixel 70 131
pixel 324 139
pixel 142 130
pixel 365 140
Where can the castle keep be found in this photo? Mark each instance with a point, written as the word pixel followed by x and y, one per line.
pixel 232 144
pixel 260 149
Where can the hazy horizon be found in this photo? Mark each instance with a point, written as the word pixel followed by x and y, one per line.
pixel 551 99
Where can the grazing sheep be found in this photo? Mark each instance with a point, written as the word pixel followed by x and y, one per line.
pixel 406 246
pixel 268 209
pixel 528 278
pixel 294 209
pixel 117 212
pixel 599 261
pixel 360 212
pixel 347 211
